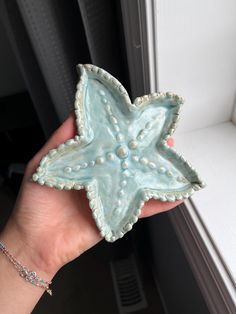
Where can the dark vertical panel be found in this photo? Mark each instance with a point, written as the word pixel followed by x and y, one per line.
pixel 175 279
pixel 102 23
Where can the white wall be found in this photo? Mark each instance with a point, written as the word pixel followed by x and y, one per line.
pixel 197 58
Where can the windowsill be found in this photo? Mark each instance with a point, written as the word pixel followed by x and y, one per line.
pixel 212 151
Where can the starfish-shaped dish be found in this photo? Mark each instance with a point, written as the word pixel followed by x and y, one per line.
pixel 120 155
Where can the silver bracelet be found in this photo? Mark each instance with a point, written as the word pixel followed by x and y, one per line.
pixel 25 273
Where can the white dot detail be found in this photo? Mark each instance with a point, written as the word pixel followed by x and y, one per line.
pixel 101 92
pixel 110 156
pixel 100 160
pixel 140 137
pixel 162 170
pixel 126 173
pixel 135 158
pixel 123 183
pixel 108 109
pixel 113 120
pixel 133 144
pixel 67 169
pixel 152 165
pixel 143 161
pixel 125 165
pixel 122 152
pixel 119 137
pixel 84 165
pixel 91 163
pixel 35 177
pixel 128 227
pixel 121 192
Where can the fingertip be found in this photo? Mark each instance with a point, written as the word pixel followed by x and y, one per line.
pixel 66 131
pixel 170 141
pixel 153 207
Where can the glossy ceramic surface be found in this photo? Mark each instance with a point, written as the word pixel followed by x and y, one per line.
pixel 120 155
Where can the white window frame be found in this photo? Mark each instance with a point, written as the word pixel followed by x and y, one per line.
pixel 215 281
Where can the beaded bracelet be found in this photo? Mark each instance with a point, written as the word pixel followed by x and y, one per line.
pixel 25 273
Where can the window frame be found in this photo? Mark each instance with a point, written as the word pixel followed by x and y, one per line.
pixel 215 281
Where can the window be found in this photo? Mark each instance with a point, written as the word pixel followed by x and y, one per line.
pixel 189 47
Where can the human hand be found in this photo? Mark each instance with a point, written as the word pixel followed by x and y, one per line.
pixel 57 226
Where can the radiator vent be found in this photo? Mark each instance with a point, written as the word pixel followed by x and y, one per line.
pixel 127 285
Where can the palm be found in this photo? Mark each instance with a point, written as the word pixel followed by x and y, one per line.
pixel 59 220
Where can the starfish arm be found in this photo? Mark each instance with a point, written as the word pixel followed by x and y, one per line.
pixel 116 203
pixel 102 106
pixel 166 175
pixel 156 116
pixel 69 166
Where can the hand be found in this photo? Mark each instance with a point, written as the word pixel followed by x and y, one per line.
pixel 57 226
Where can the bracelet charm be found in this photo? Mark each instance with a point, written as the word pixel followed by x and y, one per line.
pixel 24 272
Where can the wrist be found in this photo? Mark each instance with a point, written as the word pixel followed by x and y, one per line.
pixel 25 251
pixel 16 294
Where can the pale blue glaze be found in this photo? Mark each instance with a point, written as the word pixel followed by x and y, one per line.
pixel 120 156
